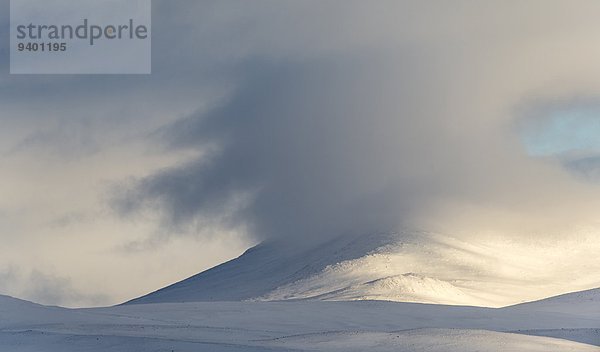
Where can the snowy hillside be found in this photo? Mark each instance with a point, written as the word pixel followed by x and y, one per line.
pixel 13 310
pixel 403 267
pixel 582 303
pixel 264 268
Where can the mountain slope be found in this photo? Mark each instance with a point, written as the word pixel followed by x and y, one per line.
pixel 262 269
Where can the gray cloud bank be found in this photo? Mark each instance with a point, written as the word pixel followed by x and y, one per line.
pixel 356 117
pixel 47 288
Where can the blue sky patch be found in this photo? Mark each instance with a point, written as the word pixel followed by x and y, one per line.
pixel 563 130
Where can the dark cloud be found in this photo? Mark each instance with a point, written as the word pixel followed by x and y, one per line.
pixel 299 150
pixel 329 131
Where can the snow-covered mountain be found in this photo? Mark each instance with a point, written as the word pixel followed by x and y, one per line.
pixel 405 267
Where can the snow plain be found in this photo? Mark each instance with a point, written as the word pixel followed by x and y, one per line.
pixel 302 326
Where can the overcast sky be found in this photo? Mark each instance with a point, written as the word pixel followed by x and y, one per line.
pixel 299 120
